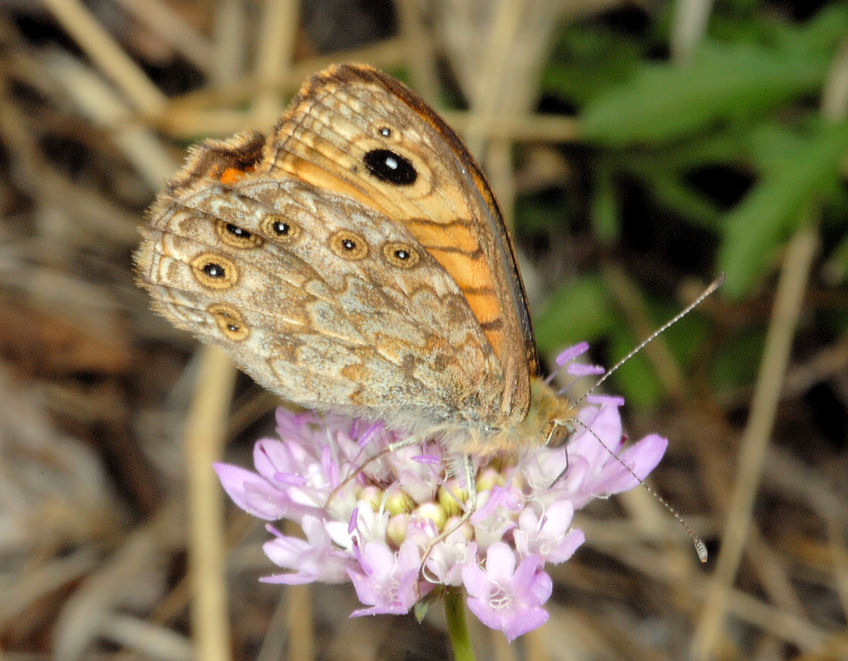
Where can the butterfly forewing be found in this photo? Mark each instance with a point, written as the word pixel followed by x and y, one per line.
pixel 355 130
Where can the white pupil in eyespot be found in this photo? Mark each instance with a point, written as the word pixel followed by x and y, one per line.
pixel 391 162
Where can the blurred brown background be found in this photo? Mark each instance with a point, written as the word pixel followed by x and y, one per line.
pixel 98 483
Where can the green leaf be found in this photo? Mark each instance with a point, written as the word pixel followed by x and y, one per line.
pixel 586 58
pixel 737 361
pixel 604 208
pixel 722 82
pixel 685 201
pixel 774 208
pixel 578 311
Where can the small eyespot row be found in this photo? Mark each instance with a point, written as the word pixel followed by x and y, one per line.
pixel 235 236
pixel 351 246
pixel 214 271
pixel 229 320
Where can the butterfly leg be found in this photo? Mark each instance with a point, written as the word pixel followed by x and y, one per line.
pixel 563 471
pixel 469 509
pixel 392 447
pixel 353 473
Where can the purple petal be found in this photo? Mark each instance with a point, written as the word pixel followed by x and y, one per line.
pixel 606 400
pixel 484 612
pixel 505 601
pixel 524 621
pixel 392 585
pixel 542 587
pixel 500 562
pixel 368 435
pixel 642 458
pixel 525 574
pixel 571 353
pixel 252 493
pixel 646 454
pixel 580 369
pixel 351 524
pixel 567 546
pixel 431 459
pixel 314 558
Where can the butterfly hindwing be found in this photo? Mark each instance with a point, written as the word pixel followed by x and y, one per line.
pixel 320 299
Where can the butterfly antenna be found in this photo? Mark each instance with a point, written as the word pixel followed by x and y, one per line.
pixel 715 284
pixel 697 542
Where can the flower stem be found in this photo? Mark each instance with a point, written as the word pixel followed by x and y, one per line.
pixel 457 627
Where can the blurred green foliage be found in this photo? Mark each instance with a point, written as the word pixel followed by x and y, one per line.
pixel 746 106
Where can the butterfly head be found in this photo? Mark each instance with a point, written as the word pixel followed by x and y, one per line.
pixel 548 421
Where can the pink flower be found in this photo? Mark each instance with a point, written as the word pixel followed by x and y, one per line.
pixel 313 559
pixel 387 580
pixel 548 533
pixel 370 516
pixel 593 471
pixel 506 597
pixel 448 559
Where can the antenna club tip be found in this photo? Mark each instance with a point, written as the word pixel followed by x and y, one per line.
pixel 701 550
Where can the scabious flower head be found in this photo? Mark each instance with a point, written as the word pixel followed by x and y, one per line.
pixel 370 516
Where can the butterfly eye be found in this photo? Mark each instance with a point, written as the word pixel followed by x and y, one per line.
pixel 400 254
pixel 236 236
pixel 279 229
pixel 390 167
pixel 348 245
pixel 214 271
pixel 557 434
pixel 229 321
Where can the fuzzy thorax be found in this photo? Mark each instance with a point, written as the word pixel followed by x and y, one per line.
pixel 547 423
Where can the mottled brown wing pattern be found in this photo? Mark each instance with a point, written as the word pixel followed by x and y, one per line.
pixel 358 132
pixel 319 298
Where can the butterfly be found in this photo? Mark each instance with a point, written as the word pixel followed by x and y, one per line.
pixel 355 260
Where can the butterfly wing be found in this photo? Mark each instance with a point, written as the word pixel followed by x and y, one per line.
pixel 355 130
pixel 318 297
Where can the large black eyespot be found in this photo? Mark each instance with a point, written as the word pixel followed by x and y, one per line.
pixel 390 167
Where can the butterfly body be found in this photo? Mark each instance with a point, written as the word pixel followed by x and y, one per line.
pixel 356 261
